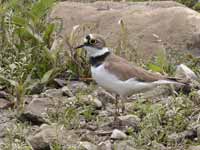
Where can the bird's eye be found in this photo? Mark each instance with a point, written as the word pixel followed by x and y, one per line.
pixel 92 41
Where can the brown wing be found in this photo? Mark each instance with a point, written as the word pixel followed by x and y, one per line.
pixel 124 70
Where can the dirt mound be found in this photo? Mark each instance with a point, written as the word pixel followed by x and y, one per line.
pixel 150 25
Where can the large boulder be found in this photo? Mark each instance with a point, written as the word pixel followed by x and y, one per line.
pixel 150 25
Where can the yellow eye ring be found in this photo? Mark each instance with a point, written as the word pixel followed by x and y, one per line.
pixel 92 41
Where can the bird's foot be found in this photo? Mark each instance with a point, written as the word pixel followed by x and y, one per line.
pixel 116 115
pixel 123 108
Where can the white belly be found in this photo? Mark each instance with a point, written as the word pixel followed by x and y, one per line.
pixel 111 83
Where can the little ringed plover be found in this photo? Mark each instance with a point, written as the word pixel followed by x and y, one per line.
pixel 115 74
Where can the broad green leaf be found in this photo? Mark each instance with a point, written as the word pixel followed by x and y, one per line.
pixel 40 8
pixel 28 80
pixel 17 20
pixel 47 76
pixel 33 34
pixel 48 54
pixel 13 3
pixel 32 84
pixel 154 67
pixel 49 30
pixel 12 82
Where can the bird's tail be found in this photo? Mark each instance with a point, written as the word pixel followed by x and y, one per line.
pixel 166 82
pixel 181 85
pixel 180 80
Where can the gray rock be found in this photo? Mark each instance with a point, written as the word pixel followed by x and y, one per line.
pixel 158 146
pixel 130 121
pixel 36 111
pixel 104 113
pixel 90 100
pixel 124 145
pixel 178 137
pixel 76 86
pixel 198 92
pixel 174 137
pixel 123 123
pixel 38 88
pixel 198 132
pixel 47 135
pixel 118 135
pixel 106 145
pixel 103 96
pixel 40 109
pixel 5 95
pixel 88 146
pixel 6 122
pixel 4 103
pixel 194 147
pixel 97 103
pixel 184 72
pixel 60 82
pixel 66 91
pixel 52 93
pixel 189 134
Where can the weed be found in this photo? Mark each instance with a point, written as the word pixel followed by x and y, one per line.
pixel 28 55
pixel 16 138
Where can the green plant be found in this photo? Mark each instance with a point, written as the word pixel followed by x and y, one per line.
pixel 16 138
pixel 160 120
pixel 160 63
pixel 71 118
pixel 26 38
pixel 189 3
pixel 76 59
pixel 29 49
pixel 124 48
pixel 22 87
pixel 196 6
pixel 56 146
pixel 88 113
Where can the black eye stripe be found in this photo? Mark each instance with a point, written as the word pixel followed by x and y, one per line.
pixel 87 37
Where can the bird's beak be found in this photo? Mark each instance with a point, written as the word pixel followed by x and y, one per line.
pixel 85 43
pixel 80 46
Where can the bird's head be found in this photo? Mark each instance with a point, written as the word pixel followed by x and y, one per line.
pixel 94 44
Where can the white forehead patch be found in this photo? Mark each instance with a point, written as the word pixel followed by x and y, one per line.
pixel 91 36
pixel 85 40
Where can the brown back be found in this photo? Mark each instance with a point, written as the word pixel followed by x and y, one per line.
pixel 124 70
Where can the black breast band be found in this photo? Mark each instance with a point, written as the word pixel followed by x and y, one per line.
pixel 98 60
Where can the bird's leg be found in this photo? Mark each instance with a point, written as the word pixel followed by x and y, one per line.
pixel 116 107
pixel 172 89
pixel 123 105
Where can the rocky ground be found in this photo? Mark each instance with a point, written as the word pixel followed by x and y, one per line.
pixel 76 115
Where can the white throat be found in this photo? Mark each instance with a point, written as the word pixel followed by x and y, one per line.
pixel 94 52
